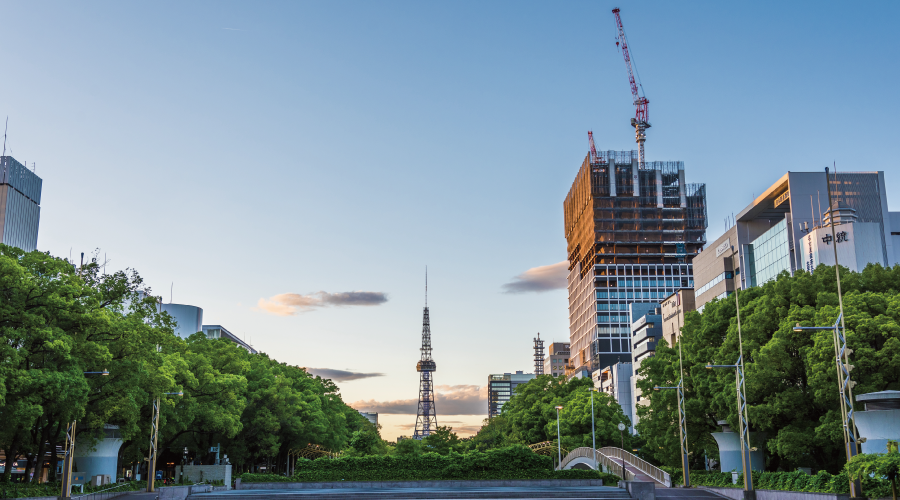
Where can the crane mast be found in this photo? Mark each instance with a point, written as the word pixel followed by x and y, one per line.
pixel 641 115
pixel 593 148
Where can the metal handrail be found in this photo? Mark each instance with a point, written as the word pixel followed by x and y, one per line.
pixel 612 466
pixel 642 465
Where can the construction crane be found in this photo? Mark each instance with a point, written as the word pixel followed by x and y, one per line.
pixel 639 122
pixel 593 148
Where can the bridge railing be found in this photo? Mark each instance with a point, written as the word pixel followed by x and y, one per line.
pixel 612 466
pixel 640 464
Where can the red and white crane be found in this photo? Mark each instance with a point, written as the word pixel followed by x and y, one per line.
pixel 639 122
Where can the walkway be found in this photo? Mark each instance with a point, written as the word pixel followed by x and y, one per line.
pixel 613 459
pixel 559 492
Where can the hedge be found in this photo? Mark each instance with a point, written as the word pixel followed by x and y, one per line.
pixel 822 482
pixel 515 462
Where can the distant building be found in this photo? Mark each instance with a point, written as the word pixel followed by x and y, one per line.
pixel 501 387
pixel 371 417
pixel 20 204
pixel 768 235
pixel 557 359
pixel 219 332
pixel 189 318
pixel 646 330
pixel 615 380
pixel 673 308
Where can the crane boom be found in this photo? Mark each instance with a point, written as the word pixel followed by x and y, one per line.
pixel 641 115
pixel 593 148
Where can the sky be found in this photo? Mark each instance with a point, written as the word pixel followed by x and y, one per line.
pixel 293 167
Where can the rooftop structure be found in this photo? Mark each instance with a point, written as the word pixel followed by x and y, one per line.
pixel 219 332
pixel 20 204
pixel 631 230
pixel 538 355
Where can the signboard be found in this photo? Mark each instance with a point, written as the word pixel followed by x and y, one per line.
pixel 723 247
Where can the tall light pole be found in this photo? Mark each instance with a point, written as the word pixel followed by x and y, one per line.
pixel 558 442
pixel 593 434
pixel 622 438
pixel 66 486
pixel 154 436
pixel 743 419
pixel 682 423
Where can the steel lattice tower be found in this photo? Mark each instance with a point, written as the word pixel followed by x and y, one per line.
pixel 538 356
pixel 426 419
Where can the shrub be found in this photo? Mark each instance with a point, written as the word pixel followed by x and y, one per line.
pixel 514 462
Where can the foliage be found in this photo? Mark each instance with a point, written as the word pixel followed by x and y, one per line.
pixel 441 441
pixel 514 462
pixel 57 322
pixel 874 467
pixel 530 416
pixel 367 441
pixel 790 376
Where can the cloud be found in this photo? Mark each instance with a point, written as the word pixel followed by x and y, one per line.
pixel 448 400
pixel 340 375
pixel 289 304
pixel 540 279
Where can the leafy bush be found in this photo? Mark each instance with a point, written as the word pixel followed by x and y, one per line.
pixel 514 462
pixel 823 482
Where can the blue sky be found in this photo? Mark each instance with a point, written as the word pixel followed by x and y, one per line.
pixel 245 150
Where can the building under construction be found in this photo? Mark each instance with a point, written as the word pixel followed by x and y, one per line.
pixel 632 230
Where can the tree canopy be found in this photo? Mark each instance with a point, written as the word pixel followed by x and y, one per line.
pixel 791 376
pixel 59 323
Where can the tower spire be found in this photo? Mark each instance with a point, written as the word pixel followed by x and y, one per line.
pixel 426 417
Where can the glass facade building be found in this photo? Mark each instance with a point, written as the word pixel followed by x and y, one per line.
pixel 770 254
pixel 501 387
pixel 20 204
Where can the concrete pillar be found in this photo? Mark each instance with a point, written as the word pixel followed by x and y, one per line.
pixel 101 458
pixel 681 187
pixel 730 450
pixel 636 178
pixel 659 197
pixel 611 155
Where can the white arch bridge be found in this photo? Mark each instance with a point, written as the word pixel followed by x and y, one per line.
pixel 610 459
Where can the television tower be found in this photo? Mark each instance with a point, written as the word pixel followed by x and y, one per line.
pixel 539 353
pixel 426 418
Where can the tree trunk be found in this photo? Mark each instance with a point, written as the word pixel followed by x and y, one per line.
pixel 42 448
pixel 54 458
pixel 894 487
pixel 12 455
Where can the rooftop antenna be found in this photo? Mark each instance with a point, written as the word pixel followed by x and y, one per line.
pixel 171 291
pixel 4 135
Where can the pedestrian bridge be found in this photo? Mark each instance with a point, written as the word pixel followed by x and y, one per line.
pixel 611 460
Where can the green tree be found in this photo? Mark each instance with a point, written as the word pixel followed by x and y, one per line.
pixel 790 376
pixel 442 440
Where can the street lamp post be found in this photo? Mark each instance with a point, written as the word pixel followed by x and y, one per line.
pixel 842 358
pixel 558 442
pixel 682 423
pixel 743 418
pixel 66 483
pixel 154 436
pixel 593 434
pixel 622 438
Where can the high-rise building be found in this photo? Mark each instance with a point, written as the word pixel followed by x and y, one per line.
pixel 767 236
pixel 501 387
pixel 615 380
pixel 20 204
pixel 631 231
